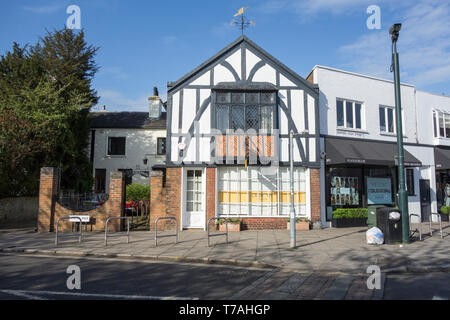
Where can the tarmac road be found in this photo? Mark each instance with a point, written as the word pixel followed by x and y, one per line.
pixel 44 277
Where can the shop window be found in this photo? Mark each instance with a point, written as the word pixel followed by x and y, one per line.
pixel 344 191
pixel 349 114
pixel 410 182
pixel 260 192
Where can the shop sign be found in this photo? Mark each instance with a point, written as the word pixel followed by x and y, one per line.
pixel 379 191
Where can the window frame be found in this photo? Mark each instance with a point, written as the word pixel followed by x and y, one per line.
pixel 362 115
pixel 386 118
pixel 410 185
pixel 436 118
pixel 108 146
pixel 245 105
pixel 394 119
pixel 158 146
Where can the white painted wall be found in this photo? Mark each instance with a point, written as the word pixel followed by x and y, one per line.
pixel 140 144
pixel 417 119
pixel 372 92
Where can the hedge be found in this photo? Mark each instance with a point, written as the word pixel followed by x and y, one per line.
pixel 349 213
pixel 445 209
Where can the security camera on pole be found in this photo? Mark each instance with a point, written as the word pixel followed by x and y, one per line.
pixel 402 195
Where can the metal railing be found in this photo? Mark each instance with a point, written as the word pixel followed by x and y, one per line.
pixel 81 202
pixel 166 235
pixel 411 232
pixel 119 234
pixel 80 234
pixel 220 233
pixel 440 223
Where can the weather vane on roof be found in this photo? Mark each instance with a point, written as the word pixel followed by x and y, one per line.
pixel 242 22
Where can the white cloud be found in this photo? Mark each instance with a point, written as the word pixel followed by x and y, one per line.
pixel 169 40
pixel 116 101
pixel 113 72
pixel 424 47
pixel 334 6
pixel 44 9
pixel 223 29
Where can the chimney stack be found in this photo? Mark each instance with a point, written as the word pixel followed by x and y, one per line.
pixel 155 105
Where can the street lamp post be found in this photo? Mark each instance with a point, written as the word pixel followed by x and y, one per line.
pixel 402 195
pixel 291 163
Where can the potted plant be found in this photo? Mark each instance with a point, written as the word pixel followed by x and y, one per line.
pixel 443 212
pixel 349 217
pixel 300 224
pixel 234 224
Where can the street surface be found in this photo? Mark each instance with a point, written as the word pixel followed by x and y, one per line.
pixel 41 277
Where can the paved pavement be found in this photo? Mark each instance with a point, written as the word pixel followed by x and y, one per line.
pixel 326 250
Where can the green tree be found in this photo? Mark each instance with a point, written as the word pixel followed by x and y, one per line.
pixel 138 192
pixel 45 98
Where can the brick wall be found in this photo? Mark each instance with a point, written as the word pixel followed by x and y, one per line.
pixel 50 210
pixel 157 198
pixel 210 193
pixel 263 223
pixel 47 191
pixel 165 201
pixel 314 175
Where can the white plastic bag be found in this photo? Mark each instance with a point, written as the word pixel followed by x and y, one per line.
pixel 394 216
pixel 374 236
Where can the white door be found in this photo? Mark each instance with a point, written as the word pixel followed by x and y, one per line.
pixel 194 215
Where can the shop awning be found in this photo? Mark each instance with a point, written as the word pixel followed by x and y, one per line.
pixel 346 151
pixel 442 158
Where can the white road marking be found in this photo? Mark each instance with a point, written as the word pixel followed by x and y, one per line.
pixel 29 294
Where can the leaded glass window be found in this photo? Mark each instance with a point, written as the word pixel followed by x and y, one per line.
pixel 252 117
pixel 237 118
pixel 245 110
pixel 223 97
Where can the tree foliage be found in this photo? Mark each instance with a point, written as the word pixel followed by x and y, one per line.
pixel 45 97
pixel 138 192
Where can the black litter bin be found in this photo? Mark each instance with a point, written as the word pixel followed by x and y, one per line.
pixel 390 224
pixel 372 215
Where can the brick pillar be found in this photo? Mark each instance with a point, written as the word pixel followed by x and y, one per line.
pixel 157 199
pixel 210 193
pixel 48 185
pixel 116 198
pixel 172 196
pixel 314 177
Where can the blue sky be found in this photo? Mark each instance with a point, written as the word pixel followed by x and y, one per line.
pixel 148 43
